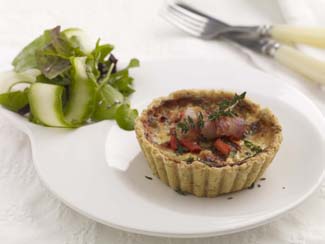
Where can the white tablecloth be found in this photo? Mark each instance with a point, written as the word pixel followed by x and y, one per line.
pixel 29 213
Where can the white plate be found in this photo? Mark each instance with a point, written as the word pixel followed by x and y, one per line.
pixel 72 162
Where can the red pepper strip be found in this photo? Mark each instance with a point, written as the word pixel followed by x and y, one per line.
pixel 222 147
pixel 190 145
pixel 173 142
pixel 181 115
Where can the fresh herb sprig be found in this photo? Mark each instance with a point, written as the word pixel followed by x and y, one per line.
pixel 226 107
pixel 181 149
pixel 188 123
pixel 200 121
pixel 183 126
pixel 254 148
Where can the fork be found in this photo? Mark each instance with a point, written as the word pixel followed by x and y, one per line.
pixel 262 39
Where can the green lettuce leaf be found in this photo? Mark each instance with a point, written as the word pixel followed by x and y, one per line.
pixel 62 80
pixel 14 101
pixel 121 79
pixel 102 51
pixel 51 66
pixel 125 117
pixel 111 95
pixel 124 85
pixel 26 59
pixel 59 43
pixel 53 59
pixel 133 63
pixel 50 53
pixel 125 72
pixel 108 100
pixel 104 111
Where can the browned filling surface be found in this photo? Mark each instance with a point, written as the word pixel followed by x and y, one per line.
pixel 217 130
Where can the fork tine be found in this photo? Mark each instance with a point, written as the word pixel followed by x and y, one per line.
pixel 195 18
pixel 199 26
pixel 194 25
pixel 189 21
pixel 180 23
pixel 198 13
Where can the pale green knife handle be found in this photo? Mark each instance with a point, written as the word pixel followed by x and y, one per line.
pixel 303 64
pixel 312 36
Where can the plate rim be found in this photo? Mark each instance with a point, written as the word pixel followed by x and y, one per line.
pixel 252 224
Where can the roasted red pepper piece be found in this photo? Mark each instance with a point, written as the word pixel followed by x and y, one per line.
pixel 222 147
pixel 181 114
pixel 173 142
pixel 190 145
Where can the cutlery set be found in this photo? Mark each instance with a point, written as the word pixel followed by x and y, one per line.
pixel 273 41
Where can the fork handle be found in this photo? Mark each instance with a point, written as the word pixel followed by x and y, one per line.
pixel 312 36
pixel 301 63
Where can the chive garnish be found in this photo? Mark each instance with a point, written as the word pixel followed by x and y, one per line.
pixel 181 149
pixel 189 159
pixel 254 148
pixel 183 126
pixel 200 121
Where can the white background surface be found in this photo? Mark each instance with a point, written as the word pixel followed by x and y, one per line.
pixel 29 213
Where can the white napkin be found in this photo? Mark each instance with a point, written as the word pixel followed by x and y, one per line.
pixel 306 13
pixel 301 13
pixel 297 12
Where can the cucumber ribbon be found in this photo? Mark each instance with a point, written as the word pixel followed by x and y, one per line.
pixel 46 99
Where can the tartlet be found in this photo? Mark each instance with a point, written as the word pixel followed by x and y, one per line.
pixel 208 142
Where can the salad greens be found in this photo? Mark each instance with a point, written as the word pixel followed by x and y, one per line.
pixel 73 82
pixel 14 100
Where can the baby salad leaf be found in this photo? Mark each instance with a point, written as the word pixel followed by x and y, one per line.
pixel 50 53
pixel 101 51
pixel 108 100
pixel 14 101
pixel 26 59
pixel 104 111
pixel 59 43
pixel 62 80
pixel 125 72
pixel 53 59
pixel 121 79
pixel 110 95
pixel 133 63
pixel 124 85
pixel 51 65
pixel 125 117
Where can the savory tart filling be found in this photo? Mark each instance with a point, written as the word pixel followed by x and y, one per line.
pixel 221 130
